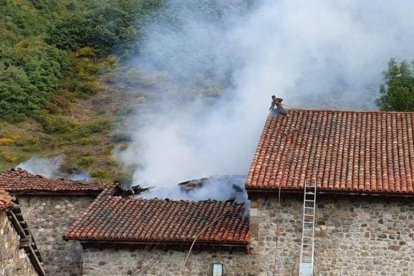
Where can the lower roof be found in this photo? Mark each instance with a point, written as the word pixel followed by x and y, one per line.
pixel 116 219
pixel 22 182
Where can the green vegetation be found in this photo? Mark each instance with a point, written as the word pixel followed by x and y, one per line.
pixel 107 26
pixel 397 94
pixel 45 43
pixel 29 74
pixel 57 59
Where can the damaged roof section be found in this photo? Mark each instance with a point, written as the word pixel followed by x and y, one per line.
pixel 22 182
pixel 116 219
pixel 343 151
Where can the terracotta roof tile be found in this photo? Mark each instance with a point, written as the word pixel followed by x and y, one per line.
pixel 112 218
pixel 5 200
pixel 344 151
pixel 22 182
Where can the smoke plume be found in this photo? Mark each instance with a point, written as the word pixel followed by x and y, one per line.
pixel 50 168
pixel 313 54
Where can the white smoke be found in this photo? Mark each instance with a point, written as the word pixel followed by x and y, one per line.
pixel 314 54
pixel 218 187
pixel 50 168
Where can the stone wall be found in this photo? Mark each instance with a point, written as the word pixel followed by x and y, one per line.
pixel 13 261
pixel 110 261
pixel 48 218
pixel 354 236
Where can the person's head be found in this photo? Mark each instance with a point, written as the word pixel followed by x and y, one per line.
pixel 273 97
pixel 278 102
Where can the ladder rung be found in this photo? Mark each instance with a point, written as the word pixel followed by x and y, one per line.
pixel 308 226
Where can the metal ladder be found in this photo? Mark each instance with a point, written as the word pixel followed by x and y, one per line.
pixel 307 248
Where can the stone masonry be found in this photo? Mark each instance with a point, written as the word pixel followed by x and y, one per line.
pixel 354 236
pixel 110 261
pixel 48 218
pixel 13 261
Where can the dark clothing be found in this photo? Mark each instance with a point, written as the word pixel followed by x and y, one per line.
pixel 280 111
pixel 272 105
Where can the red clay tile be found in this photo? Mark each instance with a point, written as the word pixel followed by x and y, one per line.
pixel 5 200
pixel 342 150
pixel 115 219
pixel 22 182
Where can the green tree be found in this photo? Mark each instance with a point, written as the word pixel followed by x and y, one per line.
pixel 397 93
pixel 108 27
pixel 29 74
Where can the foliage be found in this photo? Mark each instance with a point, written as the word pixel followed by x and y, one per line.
pixel 55 59
pixel 29 75
pixel 397 93
pixel 109 27
pixel 55 123
pixel 49 48
pixel 86 71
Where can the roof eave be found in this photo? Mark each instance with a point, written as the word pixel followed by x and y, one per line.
pixel 54 193
pixel 259 191
pixel 243 245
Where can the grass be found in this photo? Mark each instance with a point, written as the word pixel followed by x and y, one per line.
pixel 81 134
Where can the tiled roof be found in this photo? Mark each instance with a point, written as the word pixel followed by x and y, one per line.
pixel 132 220
pixel 344 151
pixel 22 182
pixel 5 200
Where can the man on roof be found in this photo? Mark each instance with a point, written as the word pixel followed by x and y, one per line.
pixel 279 110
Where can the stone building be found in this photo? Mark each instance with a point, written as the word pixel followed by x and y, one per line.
pixel 18 250
pixel 133 236
pixel 362 164
pixel 50 206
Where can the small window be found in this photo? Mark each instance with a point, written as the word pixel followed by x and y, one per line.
pixel 217 269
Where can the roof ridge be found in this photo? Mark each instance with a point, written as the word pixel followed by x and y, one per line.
pixel 350 111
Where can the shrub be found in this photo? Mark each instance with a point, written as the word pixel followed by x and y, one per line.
pixel 55 123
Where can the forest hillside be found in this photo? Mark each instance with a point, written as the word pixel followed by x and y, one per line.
pixel 57 63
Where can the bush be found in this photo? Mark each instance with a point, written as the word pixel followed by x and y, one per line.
pixel 29 75
pixel 55 123
pixel 85 161
pixel 107 26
